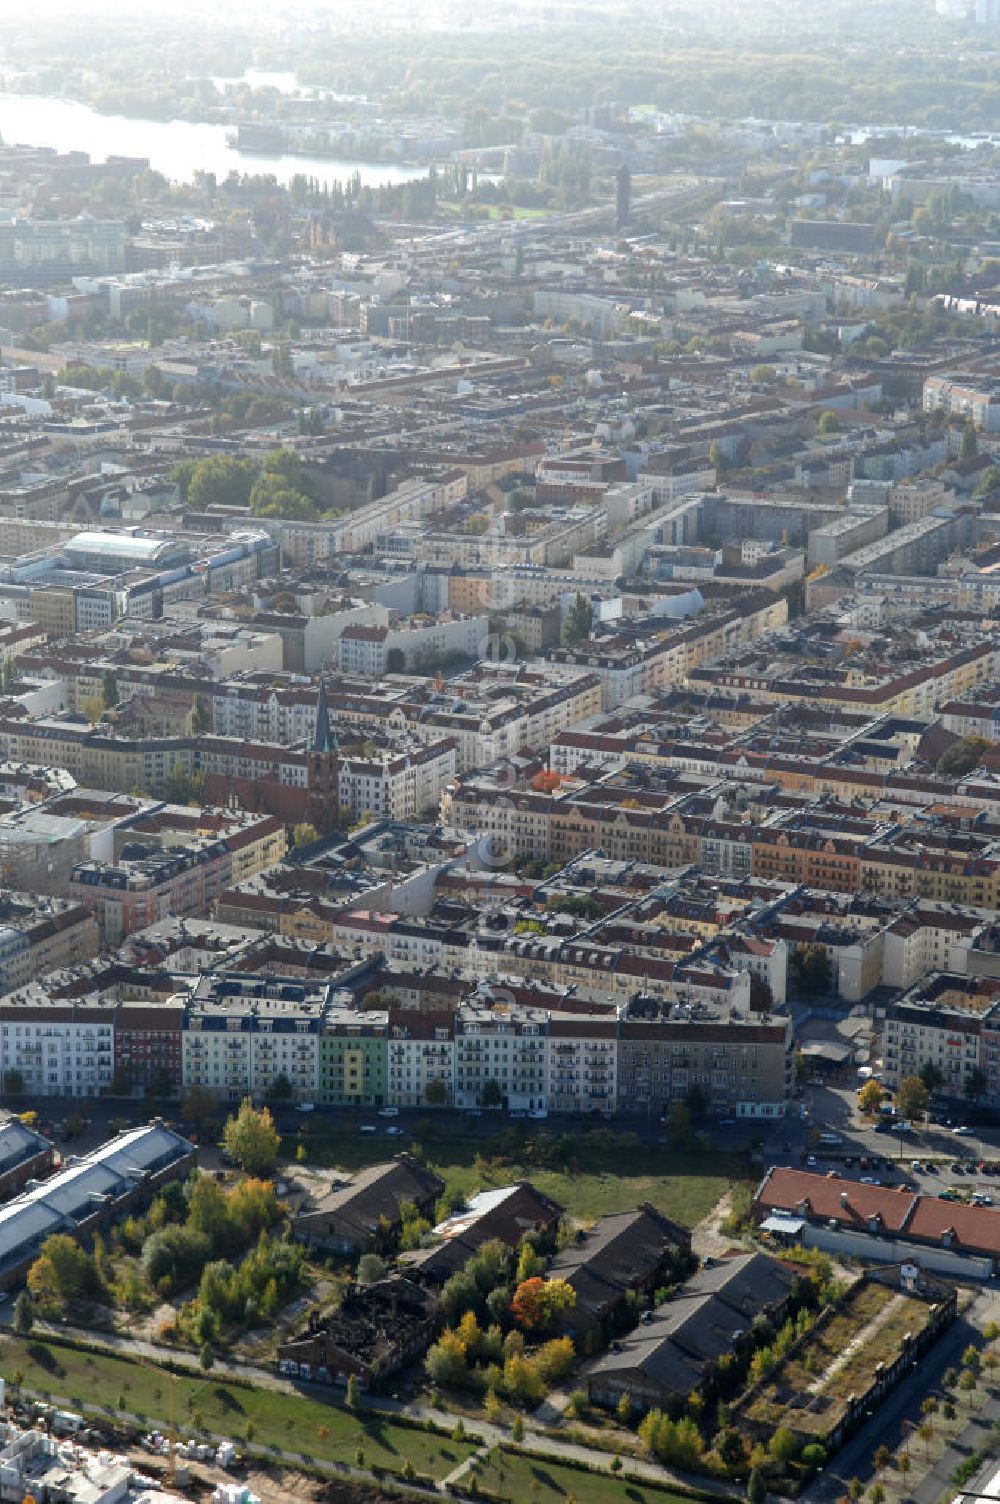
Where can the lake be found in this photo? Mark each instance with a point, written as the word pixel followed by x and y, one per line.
pixel 177 148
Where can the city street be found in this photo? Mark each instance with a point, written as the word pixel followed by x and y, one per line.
pixel 886 1427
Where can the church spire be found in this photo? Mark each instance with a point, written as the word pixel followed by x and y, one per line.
pixel 323 738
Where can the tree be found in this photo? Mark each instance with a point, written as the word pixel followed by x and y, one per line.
pixel 206 1356
pixel 199 1109
pixel 624 1408
pixel 971 1360
pixel 828 423
pixel 969 447
pixel 756 1487
pixel 556 1360
pixel 679 1123
pixel 538 1303
pixel 579 620
pixel 109 689
pixel 975 1083
pixel 912 1098
pixel 370 1269
pixel 932 1076
pixel 989 483
pixel 783 1447
pixel 63 1272
pixel 222 480
pixel 201 716
pixel 353 1395
pixel 281 1088
pixel 24 1314
pixel 528 1263
pixel 436 1092
pixel 697 1101
pixel 812 965
pixel 13 1083
pixel 716 457
pixel 92 707
pixel 870 1099
pixel 492 1095
pixel 252 1139
pixel 304 833
pixel 445 1361
pixel 965 755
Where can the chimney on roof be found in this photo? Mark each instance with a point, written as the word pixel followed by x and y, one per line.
pixel 844 1199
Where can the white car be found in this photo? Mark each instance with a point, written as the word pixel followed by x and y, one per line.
pixel 962 1131
pixel 388 1112
pixel 393 1131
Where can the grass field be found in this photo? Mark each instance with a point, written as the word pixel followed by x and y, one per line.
pixel 301 1425
pixel 521 1478
pixel 682 1185
pixel 295 1423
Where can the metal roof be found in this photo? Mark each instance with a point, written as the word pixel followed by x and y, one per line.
pixel 122 546
pixel 68 1198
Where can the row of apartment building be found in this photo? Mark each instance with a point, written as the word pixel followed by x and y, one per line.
pixel 238 1036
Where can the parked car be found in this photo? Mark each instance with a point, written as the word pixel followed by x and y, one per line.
pixel 962 1131
pixel 367 1128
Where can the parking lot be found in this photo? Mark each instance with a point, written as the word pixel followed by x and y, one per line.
pixel 965 1163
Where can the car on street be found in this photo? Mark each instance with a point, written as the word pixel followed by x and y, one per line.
pixel 394 1131
pixel 811 1161
pixel 962 1131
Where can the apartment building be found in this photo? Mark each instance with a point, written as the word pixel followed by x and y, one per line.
pixel 501 1058
pixel 353 1059
pixel 742 1066
pixel 420 1057
pixel 582 1065
pixel 243 1036
pixel 942 1022
pixel 56 1049
pixel 39 935
pixel 154 876
pixel 397 785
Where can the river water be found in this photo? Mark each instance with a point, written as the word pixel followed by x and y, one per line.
pixel 177 148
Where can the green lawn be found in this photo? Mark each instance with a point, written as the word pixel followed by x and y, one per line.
pixel 682 1185
pixel 296 1423
pixel 521 1478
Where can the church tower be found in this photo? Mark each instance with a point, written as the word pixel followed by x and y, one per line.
pixel 323 767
